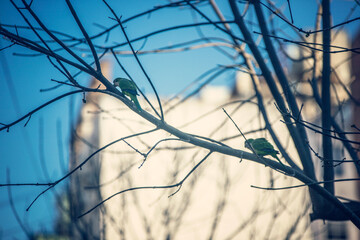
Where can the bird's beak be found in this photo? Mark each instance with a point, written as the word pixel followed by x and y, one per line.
pixel 116 83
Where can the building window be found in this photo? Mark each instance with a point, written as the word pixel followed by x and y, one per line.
pixel 337 231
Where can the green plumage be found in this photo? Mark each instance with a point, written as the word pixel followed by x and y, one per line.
pixel 262 148
pixel 128 88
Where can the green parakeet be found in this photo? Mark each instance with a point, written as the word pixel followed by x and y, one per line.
pixel 262 147
pixel 128 88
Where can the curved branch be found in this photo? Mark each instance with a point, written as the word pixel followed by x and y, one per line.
pixel 84 162
pixel 29 114
pixel 178 184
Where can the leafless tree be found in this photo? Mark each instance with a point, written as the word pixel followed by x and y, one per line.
pixel 261 54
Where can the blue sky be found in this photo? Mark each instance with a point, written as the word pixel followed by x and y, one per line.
pixel 22 150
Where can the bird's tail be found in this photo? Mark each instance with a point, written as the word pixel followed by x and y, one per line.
pixel 137 104
pixel 275 156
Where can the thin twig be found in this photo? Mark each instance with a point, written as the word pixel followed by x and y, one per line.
pixel 306 185
pixel 88 40
pixel 17 217
pixel 128 75
pixel 178 184
pixel 84 162
pixel 138 61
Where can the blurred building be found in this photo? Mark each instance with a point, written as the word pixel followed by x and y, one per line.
pixel 216 201
pixel 344 74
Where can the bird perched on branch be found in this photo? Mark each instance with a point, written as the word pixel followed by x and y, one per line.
pixel 262 148
pixel 128 88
